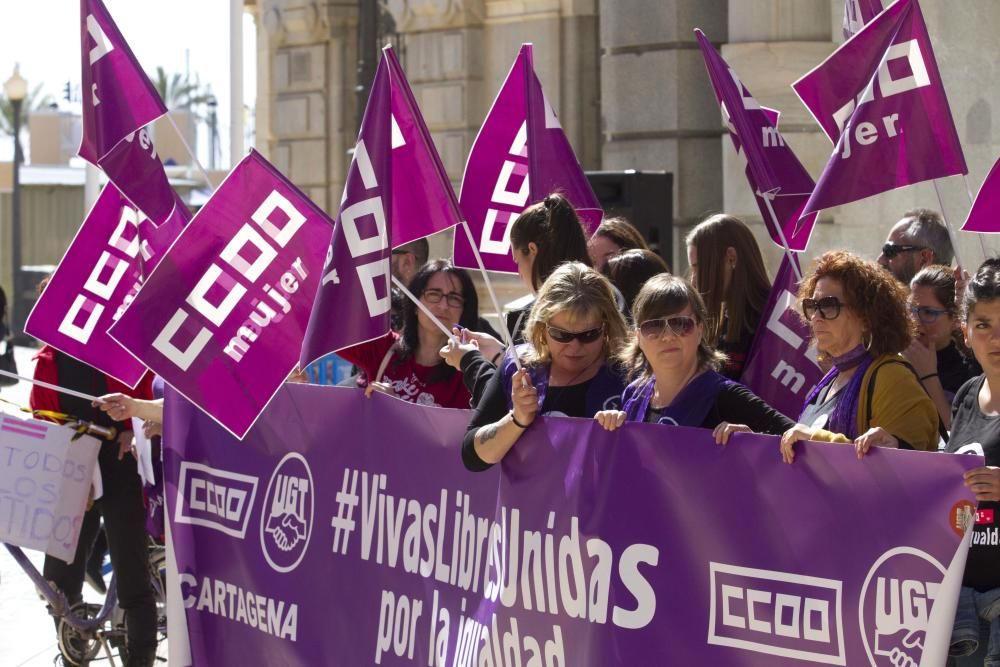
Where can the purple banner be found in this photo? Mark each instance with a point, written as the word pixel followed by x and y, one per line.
pixel 135 168
pixel 222 317
pixel 118 98
pixel 773 171
pixel 353 301
pixel 781 367
pixel 880 99
pixel 644 546
pixel 983 214
pixel 521 136
pixel 100 274
pixel 857 13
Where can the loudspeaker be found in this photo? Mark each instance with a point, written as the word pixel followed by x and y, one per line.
pixel 645 199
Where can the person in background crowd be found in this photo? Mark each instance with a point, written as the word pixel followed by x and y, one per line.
pixel 919 239
pixel 407 259
pixel 407 365
pixel 938 352
pixel 568 368
pixel 544 236
pixel 629 270
pixel 674 370
pixel 611 237
pixel 871 395
pixel 728 270
pixel 3 315
pixel 975 429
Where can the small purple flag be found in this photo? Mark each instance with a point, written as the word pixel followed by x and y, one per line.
pixel 135 168
pixel 521 136
pixel 772 169
pixel 781 367
pixel 99 275
pixel 880 99
pixel 857 13
pixel 118 97
pixel 222 317
pixel 985 213
pixel 353 301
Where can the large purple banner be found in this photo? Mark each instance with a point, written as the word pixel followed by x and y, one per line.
pixel 345 531
pixel 223 315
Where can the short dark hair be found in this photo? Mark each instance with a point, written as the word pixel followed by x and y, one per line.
pixel 630 269
pixel 420 249
pixel 554 227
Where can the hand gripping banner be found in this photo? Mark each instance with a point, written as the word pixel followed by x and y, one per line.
pixel 345 531
pixel 880 99
pixel 222 317
pixel 772 169
pixel 520 156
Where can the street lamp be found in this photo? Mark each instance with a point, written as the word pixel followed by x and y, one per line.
pixel 16 89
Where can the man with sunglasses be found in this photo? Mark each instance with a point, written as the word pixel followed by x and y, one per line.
pixel 919 239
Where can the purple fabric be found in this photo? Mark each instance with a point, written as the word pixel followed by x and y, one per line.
pixel 844 418
pixel 135 168
pixel 103 268
pixel 983 214
pixel 603 393
pixel 520 156
pixel 781 366
pixel 689 407
pixel 353 301
pixel 118 98
pixel 901 131
pixel 772 169
pixel 223 315
pixel 857 13
pixel 647 544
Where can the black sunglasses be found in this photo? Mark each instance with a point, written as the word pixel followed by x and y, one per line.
pixel 828 307
pixel 891 250
pixel 926 314
pixel 678 325
pixel 563 336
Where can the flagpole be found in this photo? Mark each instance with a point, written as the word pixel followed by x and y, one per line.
pixel 398 283
pixel 508 339
pixel 784 241
pixel 53 387
pixel 194 157
pixel 951 232
pixel 972 200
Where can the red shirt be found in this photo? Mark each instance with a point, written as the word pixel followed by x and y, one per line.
pixel 410 380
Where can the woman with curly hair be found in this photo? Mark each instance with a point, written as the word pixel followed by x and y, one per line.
pixel 871 395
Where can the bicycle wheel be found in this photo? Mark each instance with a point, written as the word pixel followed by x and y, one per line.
pixel 78 648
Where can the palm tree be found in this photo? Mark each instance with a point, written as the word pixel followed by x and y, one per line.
pixel 178 91
pixel 34 101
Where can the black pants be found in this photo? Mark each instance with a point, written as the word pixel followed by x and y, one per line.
pixel 125 525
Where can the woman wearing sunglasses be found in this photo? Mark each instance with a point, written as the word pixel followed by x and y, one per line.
pixel 574 332
pixel 407 364
pixel 938 352
pixel 676 370
pixel 871 396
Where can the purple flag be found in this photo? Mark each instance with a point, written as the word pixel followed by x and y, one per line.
pixel 345 531
pixel 100 274
pixel 983 215
pixel 772 169
pixel 222 317
pixel 857 13
pixel 519 157
pixel 135 168
pixel 118 98
pixel 781 367
pixel 423 201
pixel 880 99
pixel 353 301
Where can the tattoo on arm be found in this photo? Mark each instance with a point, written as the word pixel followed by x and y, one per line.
pixel 487 433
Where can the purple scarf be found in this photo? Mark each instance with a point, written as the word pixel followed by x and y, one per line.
pixel 845 414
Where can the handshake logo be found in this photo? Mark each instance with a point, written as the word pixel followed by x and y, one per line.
pixel 286 521
pixel 896 600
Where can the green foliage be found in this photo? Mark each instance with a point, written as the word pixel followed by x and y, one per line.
pixel 34 101
pixel 178 91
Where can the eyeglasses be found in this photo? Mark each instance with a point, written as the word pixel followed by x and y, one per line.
pixel 926 314
pixel 891 250
pixel 678 325
pixel 828 307
pixel 563 336
pixel 454 299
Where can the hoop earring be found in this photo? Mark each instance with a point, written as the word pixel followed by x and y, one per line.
pixel 868 345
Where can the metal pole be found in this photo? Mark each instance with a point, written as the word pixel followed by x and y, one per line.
pixel 236 148
pixel 16 316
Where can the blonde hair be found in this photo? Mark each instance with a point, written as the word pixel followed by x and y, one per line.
pixel 577 288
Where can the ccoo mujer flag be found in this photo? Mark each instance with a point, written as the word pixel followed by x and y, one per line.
pixel 519 157
pixel 857 13
pixel 880 99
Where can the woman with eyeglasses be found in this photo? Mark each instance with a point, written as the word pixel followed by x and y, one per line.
pixel 675 370
pixel 938 352
pixel 574 332
pixel 407 364
pixel 871 396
